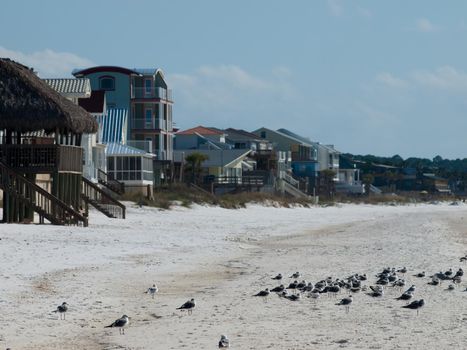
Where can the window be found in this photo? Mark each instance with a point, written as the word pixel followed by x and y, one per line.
pixel 148 117
pixel 263 134
pixel 107 83
pixel 148 86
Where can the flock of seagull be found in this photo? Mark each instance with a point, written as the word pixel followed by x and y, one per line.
pixel 388 277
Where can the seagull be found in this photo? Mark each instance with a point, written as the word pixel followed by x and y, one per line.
pixel 278 277
pixel 295 275
pixel 308 287
pixel 189 305
pixel 62 309
pixel 264 293
pixel 293 285
pixel 402 270
pixel 301 285
pixel 294 297
pixel 278 289
pixel 346 302
pixel 121 323
pixel 411 289
pixel 152 290
pixel 399 283
pixel 434 281
pixel 377 291
pixel 415 305
pixel 314 294
pixel 420 274
pixel 448 272
pixel 451 287
pixel 460 272
pixel 224 342
pixel 405 296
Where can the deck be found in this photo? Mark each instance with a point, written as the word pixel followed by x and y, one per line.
pixel 42 158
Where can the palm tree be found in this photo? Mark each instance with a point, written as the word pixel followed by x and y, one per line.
pixel 367 181
pixel 195 160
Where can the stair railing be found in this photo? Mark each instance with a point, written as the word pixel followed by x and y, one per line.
pixel 41 201
pixel 93 193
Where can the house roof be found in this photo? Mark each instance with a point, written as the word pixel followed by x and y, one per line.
pixel 98 69
pixel 218 158
pixel 286 135
pixel 27 103
pixel 289 133
pixel 71 87
pixel 200 130
pixel 95 103
pixel 120 149
pixel 148 71
pixel 240 134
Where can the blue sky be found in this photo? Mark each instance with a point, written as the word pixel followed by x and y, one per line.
pixel 371 77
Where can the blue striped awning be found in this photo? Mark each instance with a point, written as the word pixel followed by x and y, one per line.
pixel 113 126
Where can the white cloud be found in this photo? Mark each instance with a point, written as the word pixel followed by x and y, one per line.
pixel 424 25
pixel 335 7
pixel 445 78
pixel 442 78
pixel 48 63
pixel 212 93
pixel 391 80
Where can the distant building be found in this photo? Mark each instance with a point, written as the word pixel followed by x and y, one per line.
pixel 140 103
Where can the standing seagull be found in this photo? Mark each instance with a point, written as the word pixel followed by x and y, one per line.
pixel 189 306
pixel 278 277
pixel 224 342
pixel 120 323
pixel 346 302
pixel 62 309
pixel 152 290
pixel 415 305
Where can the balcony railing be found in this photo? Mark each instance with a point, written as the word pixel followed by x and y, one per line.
pixel 42 158
pixel 141 144
pixel 153 92
pixel 139 123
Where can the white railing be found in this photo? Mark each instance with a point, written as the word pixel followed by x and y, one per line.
pixel 141 123
pixel 141 144
pixel 291 180
pixel 153 92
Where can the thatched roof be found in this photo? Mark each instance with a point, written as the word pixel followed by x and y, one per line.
pixel 28 104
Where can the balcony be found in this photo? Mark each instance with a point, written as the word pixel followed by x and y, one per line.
pixel 154 124
pixel 154 92
pixel 145 146
pixel 42 158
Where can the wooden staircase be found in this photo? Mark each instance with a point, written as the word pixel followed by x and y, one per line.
pixel 114 185
pixel 25 194
pixel 99 199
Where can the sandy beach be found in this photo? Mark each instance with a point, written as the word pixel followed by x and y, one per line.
pixel 221 257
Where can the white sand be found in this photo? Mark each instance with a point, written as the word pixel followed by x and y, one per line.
pixel 221 257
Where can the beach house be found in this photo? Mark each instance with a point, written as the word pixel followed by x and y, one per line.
pixel 41 134
pixel 145 101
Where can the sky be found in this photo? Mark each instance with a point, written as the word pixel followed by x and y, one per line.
pixel 370 77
